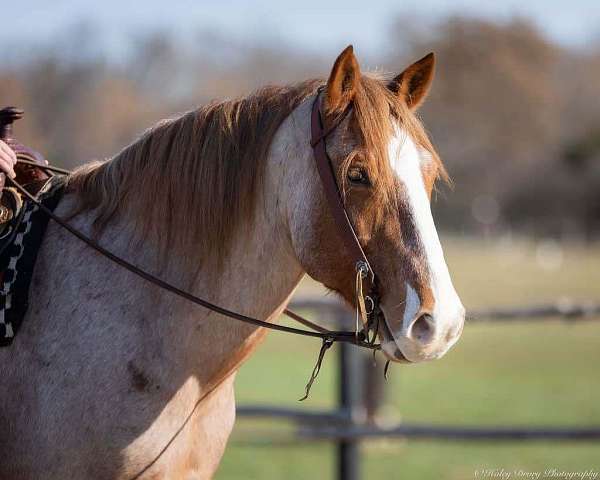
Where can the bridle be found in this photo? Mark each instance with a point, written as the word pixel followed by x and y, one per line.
pixel 367 304
pixel 367 298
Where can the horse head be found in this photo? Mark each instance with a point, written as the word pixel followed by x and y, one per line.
pixel 385 168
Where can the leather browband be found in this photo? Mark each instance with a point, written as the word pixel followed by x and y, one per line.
pixel 332 191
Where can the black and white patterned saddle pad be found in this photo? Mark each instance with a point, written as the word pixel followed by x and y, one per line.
pixel 17 259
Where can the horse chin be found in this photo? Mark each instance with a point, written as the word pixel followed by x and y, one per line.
pixel 388 345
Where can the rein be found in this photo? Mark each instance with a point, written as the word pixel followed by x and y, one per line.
pixel 365 277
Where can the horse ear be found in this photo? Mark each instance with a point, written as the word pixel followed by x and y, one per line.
pixel 414 82
pixel 343 81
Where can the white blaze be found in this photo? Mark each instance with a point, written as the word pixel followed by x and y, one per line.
pixel 406 160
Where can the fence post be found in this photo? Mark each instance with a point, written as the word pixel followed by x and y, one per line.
pixel 348 451
pixel 373 386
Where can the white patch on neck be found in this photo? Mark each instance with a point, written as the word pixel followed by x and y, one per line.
pixel 406 160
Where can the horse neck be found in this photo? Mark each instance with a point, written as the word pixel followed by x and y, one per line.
pixel 256 278
pixel 262 268
pixel 261 271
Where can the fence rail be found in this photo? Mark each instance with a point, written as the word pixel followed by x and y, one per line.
pixel 346 426
pixel 564 309
pixel 341 428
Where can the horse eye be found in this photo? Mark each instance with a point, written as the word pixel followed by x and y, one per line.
pixel 358 175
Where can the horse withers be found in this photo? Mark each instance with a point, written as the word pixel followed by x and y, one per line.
pixel 111 377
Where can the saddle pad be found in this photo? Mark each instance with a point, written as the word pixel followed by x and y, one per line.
pixel 17 259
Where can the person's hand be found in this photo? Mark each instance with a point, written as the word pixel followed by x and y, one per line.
pixel 8 159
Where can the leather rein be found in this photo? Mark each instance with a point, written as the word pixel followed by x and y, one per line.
pixel 367 305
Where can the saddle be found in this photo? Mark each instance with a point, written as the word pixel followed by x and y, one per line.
pixel 22 227
pixel 29 176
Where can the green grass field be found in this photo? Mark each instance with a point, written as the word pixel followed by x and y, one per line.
pixel 502 374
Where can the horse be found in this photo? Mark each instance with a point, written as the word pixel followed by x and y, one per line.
pixel 111 377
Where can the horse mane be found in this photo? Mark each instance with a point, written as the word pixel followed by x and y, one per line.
pixel 192 180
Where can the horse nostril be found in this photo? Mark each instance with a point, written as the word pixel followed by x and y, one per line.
pixel 422 329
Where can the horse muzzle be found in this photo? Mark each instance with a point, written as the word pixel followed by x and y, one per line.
pixel 422 338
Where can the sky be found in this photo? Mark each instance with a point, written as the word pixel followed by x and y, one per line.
pixel 312 24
